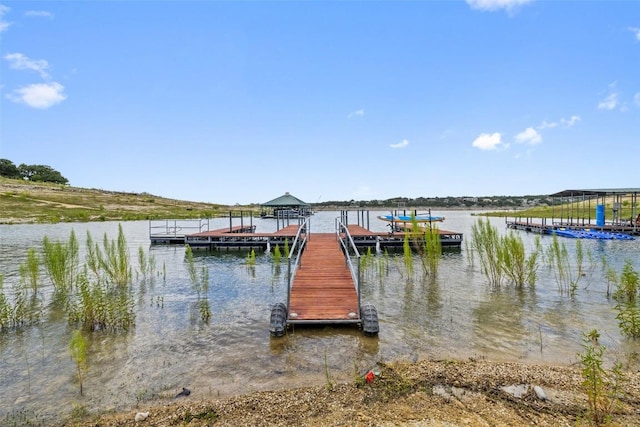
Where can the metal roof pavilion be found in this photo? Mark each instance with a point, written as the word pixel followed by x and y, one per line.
pixel 286 200
pixel 596 192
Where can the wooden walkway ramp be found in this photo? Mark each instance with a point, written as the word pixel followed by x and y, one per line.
pixel 323 289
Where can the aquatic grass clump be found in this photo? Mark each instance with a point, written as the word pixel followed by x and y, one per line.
pixel 30 270
pixel 627 296
pixel 111 263
pixel 5 307
pixel 431 250
pixel 277 255
pixel 200 285
pixel 603 388
pixel 519 268
pixel 61 262
pixel 25 309
pixel 486 243
pixel 251 258
pixel 558 258
pixel 504 257
pixel 146 264
pixel 115 261
pixel 407 255
pixel 100 307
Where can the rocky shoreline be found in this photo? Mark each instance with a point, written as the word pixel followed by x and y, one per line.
pixel 424 393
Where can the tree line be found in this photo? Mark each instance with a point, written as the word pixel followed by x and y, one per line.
pixel 34 173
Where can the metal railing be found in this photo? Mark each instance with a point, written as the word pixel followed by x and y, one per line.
pixel 176 227
pixel 295 255
pixel 355 270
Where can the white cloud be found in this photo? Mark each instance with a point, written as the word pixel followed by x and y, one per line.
pixel 39 95
pixel 636 99
pixel 357 113
pixel 610 102
pixel 39 13
pixel 570 121
pixel 529 136
pixel 488 141
pixel 636 31
pixel 492 5
pixel 547 125
pixel 4 25
pixel 564 122
pixel 402 144
pixel 18 61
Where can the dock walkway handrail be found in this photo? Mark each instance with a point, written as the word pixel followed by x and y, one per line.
pixel 177 227
pixel 355 271
pixel 295 252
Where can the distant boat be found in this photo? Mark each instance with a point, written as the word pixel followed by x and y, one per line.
pixel 420 218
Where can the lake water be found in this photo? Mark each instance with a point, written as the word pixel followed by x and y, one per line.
pixel 454 315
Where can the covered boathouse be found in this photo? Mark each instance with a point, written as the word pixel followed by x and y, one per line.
pixel 608 210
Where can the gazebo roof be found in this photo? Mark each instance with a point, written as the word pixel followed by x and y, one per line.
pixel 285 200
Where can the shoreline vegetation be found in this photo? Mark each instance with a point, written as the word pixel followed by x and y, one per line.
pixel 420 393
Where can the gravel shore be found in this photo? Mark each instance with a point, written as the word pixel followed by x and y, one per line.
pixel 425 393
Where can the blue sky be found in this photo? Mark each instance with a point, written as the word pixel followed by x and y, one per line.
pixel 240 101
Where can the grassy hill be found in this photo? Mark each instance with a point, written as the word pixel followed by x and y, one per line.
pixel 28 202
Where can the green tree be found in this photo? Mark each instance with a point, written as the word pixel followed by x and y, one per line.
pixel 41 173
pixel 8 169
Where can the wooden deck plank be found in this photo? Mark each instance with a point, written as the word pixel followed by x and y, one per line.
pixel 323 288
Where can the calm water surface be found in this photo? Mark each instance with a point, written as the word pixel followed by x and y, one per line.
pixel 455 315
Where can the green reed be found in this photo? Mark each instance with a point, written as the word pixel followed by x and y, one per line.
pixel 61 262
pixel 627 296
pixel 519 268
pixel 560 263
pixel 115 260
pixel 407 255
pixel 277 255
pixel 25 309
pixel 78 348
pixel 251 258
pixel 92 258
pixel 504 257
pixel 486 243
pixel 99 306
pixel 30 270
pixel 143 263
pixel 5 307
pixel 200 284
pixel 602 387
pixel 192 270
pixel 431 250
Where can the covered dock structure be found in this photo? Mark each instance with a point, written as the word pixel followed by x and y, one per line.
pixel 608 210
pixel 285 206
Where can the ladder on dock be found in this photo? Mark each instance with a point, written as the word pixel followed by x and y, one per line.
pixel 323 284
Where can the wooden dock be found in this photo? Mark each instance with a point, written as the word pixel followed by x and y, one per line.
pixel 395 239
pixel 248 239
pixel 323 289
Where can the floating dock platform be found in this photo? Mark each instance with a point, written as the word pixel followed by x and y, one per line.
pixel 578 230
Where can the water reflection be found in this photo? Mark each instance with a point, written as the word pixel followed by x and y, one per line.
pixel 455 313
